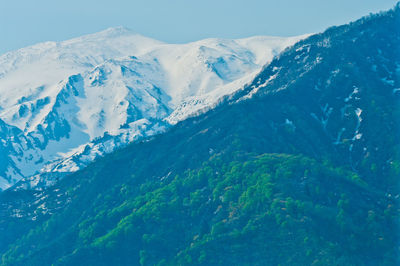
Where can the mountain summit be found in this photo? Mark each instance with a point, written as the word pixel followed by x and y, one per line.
pixel 300 167
pixel 64 104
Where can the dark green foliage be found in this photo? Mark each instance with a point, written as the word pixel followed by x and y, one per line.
pixel 266 209
pixel 306 172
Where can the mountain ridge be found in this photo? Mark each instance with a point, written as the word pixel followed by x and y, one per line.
pixel 51 92
pixel 281 177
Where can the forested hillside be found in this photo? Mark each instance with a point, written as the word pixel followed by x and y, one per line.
pixel 300 168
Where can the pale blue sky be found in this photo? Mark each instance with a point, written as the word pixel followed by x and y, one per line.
pixel 26 22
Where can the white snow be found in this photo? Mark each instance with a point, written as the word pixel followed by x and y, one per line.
pixel 357 134
pixel 64 96
pixel 352 94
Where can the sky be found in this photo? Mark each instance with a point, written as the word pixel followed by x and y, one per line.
pixel 27 22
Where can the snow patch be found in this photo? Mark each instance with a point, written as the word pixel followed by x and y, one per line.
pixel 76 100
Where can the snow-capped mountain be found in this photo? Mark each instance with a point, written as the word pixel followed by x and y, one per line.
pixel 64 104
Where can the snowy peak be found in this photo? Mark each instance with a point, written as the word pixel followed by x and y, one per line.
pixel 112 32
pixel 50 62
pixel 75 100
pixel 111 42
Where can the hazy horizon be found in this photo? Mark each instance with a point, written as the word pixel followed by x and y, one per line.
pixel 26 23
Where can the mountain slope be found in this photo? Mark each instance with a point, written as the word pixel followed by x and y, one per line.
pixel 79 99
pixel 276 174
